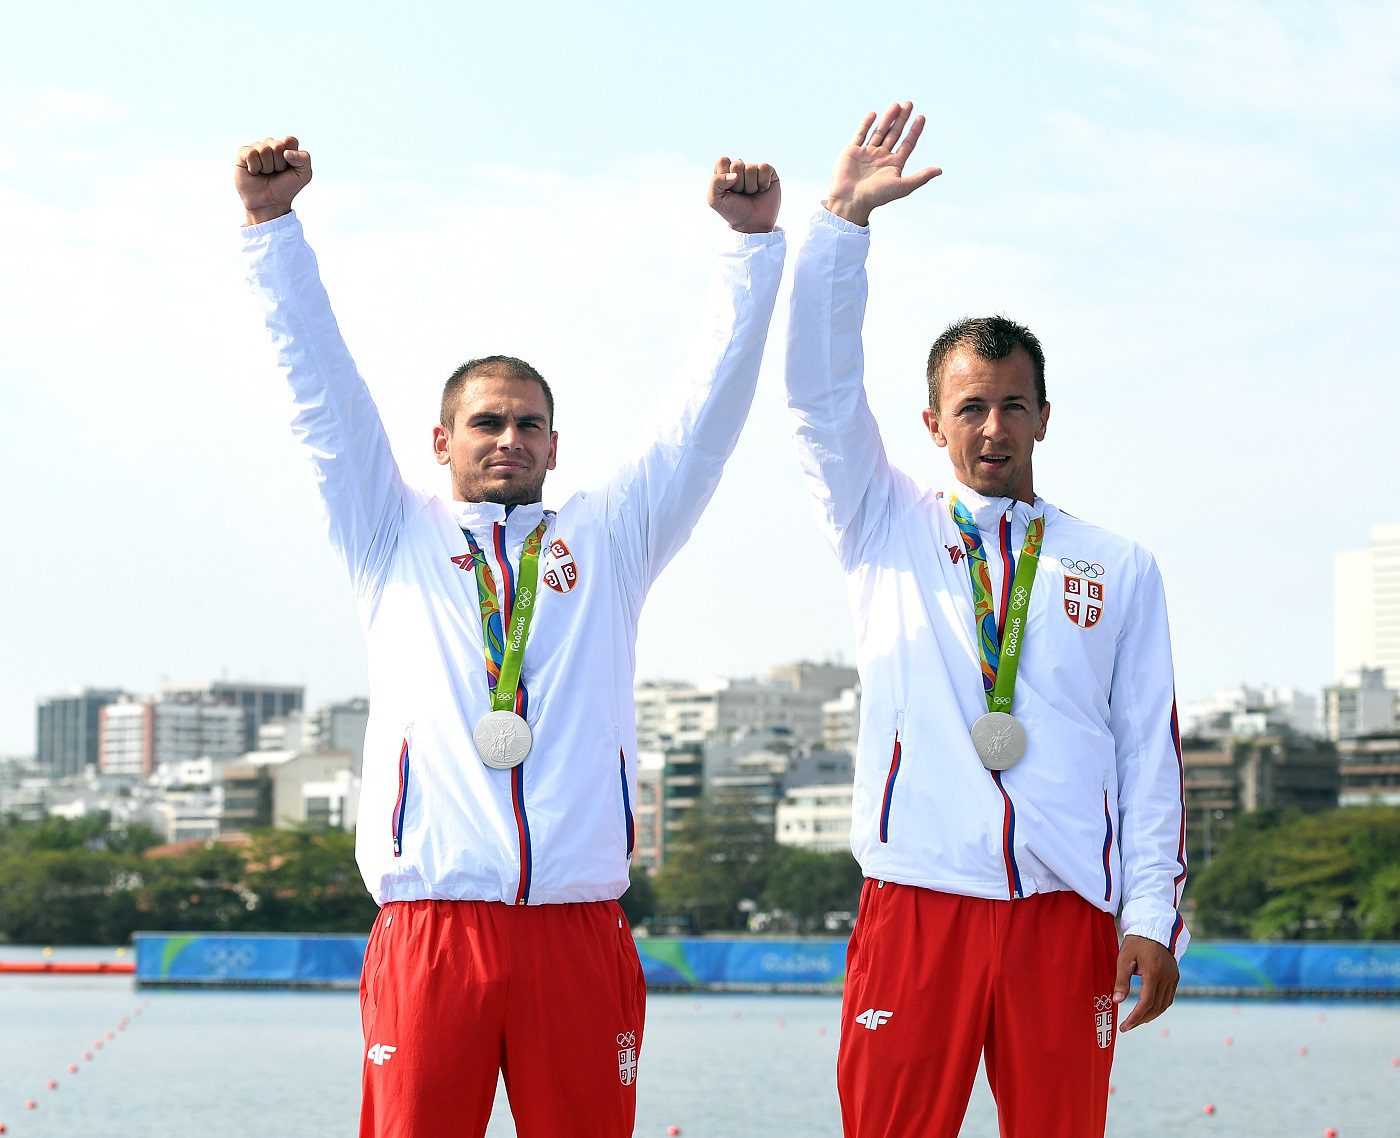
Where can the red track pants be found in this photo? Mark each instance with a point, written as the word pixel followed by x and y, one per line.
pixel 455 992
pixel 934 980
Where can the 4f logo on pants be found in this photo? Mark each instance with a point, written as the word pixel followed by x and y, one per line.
pixel 380 1054
pixel 872 1018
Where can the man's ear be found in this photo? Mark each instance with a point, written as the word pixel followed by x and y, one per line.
pixel 931 424
pixel 442 438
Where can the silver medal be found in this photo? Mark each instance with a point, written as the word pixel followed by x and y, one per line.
pixel 503 739
pixel 1000 740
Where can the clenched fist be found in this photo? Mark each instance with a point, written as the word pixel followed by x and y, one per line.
pixel 269 174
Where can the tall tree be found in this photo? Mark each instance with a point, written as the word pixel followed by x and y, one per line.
pixel 717 858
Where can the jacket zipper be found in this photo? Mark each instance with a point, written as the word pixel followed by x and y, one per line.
pixel 1107 848
pixel 1008 816
pixel 401 802
pixel 895 760
pixel 627 803
pixel 517 774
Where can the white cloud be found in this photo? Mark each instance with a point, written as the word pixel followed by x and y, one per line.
pixel 1331 63
pixel 58 108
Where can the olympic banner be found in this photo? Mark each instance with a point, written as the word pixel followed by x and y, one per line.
pixel 816 964
pixel 272 960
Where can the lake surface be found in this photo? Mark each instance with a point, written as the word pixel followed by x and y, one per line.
pixel 226 1064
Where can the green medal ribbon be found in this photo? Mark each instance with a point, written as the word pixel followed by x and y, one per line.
pixel 1000 656
pixel 504 641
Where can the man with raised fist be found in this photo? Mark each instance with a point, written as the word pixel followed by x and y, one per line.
pixel 495 826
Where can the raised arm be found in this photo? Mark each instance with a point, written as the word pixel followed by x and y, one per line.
pixel 838 440
pixel 333 417
pixel 657 497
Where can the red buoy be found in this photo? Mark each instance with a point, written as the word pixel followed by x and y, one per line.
pixel 1330 1132
pixel 673 1130
pixel 1210 1108
pixel 30 1104
pixel 72 1068
pixel 52 1084
pixel 1302 1051
pixel 1229 1041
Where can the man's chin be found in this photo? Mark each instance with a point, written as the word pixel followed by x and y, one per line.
pixel 503 494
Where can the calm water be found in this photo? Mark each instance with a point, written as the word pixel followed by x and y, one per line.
pixel 236 1063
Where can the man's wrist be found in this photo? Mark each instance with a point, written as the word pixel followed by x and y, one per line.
pixel 268 213
pixel 849 210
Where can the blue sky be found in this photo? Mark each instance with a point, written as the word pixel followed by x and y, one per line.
pixel 1194 205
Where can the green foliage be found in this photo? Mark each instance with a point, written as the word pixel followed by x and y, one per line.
pixel 717 858
pixel 80 882
pixel 306 881
pixel 806 885
pixel 639 902
pixel 723 853
pixel 1333 875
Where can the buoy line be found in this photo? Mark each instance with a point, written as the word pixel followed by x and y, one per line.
pixel 88 1055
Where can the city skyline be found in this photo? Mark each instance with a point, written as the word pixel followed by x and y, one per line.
pixel 1194 208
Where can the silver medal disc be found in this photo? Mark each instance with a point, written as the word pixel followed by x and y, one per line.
pixel 502 739
pixel 1000 740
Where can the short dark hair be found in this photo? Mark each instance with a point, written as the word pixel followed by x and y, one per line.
pixel 989 338
pixel 507 366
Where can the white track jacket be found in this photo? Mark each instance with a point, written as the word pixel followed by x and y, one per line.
pixel 434 821
pixel 1096 804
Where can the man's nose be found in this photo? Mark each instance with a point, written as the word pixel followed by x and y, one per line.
pixel 509 438
pixel 994 426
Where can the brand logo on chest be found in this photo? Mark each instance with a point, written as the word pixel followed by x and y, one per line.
pixel 561 570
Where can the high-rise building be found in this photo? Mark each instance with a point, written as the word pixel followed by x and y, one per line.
pixel 720 711
pixel 1370 770
pixel 260 702
pixel 1360 704
pixel 67 730
pixel 341 727
pixel 139 736
pixel 816 818
pixel 1227 777
pixel 1245 710
pixel 1367 605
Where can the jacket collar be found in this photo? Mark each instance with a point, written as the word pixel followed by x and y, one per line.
pixel 988 512
pixel 479 517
